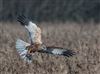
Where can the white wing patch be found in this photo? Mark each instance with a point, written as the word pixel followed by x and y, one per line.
pixel 34 32
pixel 31 27
pixel 57 51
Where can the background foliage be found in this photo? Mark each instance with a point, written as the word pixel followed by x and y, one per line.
pixel 51 10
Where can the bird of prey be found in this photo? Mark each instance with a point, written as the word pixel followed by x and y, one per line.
pixel 26 50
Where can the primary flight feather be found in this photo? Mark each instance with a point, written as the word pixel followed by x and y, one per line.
pixel 26 50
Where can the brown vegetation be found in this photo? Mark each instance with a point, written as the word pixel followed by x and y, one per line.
pixel 82 38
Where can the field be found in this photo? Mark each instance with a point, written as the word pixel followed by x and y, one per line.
pixel 84 39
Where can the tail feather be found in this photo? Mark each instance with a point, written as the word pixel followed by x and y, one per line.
pixel 21 45
pixel 21 49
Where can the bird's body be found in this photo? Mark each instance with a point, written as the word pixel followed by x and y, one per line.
pixel 27 49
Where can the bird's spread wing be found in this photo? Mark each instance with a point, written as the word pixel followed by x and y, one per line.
pixel 22 51
pixel 34 31
pixel 58 51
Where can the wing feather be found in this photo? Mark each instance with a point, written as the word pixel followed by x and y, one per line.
pixel 58 51
pixel 34 31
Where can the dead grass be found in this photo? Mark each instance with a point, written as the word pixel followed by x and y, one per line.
pixel 82 38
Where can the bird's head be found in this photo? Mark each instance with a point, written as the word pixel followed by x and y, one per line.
pixel 32 48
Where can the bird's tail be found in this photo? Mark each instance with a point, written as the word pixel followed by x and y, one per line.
pixel 58 51
pixel 22 51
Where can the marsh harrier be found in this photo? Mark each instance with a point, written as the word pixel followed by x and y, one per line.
pixel 26 50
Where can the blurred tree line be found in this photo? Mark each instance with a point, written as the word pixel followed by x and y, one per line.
pixel 51 10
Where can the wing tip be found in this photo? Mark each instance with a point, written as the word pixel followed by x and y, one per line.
pixel 23 19
pixel 69 53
